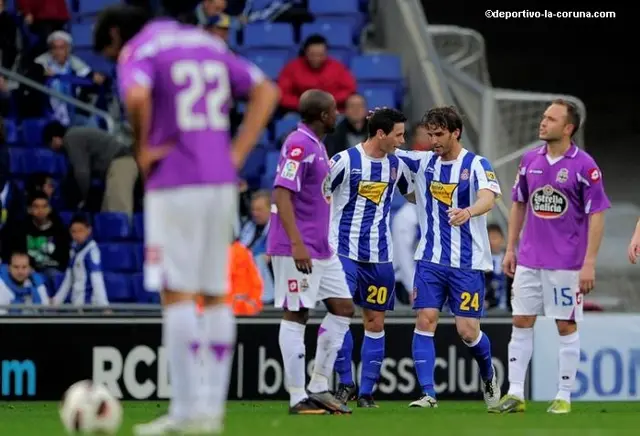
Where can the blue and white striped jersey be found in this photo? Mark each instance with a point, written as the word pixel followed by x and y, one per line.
pixel 362 189
pixel 440 185
pixel 83 278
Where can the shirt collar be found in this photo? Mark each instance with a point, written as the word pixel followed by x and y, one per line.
pixel 306 130
pixel 570 153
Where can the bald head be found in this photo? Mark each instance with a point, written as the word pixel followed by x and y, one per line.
pixel 313 103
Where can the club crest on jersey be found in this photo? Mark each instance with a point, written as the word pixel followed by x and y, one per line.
pixel 464 175
pixel 562 176
pixel 290 169
pixel 443 192
pixel 326 189
pixel 304 285
pixel 548 203
pixel 394 173
pixel 372 191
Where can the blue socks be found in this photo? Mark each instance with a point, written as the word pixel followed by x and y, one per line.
pixel 372 356
pixel 480 349
pixel 343 361
pixel 424 358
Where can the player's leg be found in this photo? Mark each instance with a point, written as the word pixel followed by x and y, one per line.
pixel 563 302
pixel 170 266
pixel 429 284
pixel 376 295
pixel 335 294
pixel 295 293
pixel 466 301
pixel 527 304
pixel 346 387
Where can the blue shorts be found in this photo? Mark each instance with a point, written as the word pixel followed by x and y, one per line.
pixel 433 284
pixel 372 285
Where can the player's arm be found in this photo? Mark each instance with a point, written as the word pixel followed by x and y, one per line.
pixel 412 159
pixel 488 188
pixel 595 203
pixel 93 266
pixel 634 245
pixel 338 169
pixel 405 182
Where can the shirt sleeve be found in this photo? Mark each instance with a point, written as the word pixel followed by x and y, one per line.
pixel 93 265
pixel 42 293
pixel 520 190
pixel 485 177
pixel 243 76
pixel 338 171
pixel 135 68
pixel 412 159
pixel 292 167
pixel 405 179
pixel 593 195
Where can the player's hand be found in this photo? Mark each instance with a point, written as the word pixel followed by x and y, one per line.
pixel 148 156
pixel 634 249
pixel 509 263
pixel 301 258
pixel 458 217
pixel 587 278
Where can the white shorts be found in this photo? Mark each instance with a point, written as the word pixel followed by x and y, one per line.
pixel 295 290
pixel 552 293
pixel 188 233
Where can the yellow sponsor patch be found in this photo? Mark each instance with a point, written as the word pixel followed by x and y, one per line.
pixel 372 191
pixel 443 192
pixel 490 175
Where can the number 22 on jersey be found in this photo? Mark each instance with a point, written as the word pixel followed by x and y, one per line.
pixel 197 77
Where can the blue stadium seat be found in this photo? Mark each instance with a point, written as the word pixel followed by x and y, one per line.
pixel 17 166
pixel 82 34
pixel 66 217
pixel 270 64
pixel 142 296
pixel 95 61
pixel 338 35
pixel 346 10
pixel 95 6
pixel 379 97
pixel 375 69
pixel 138 256
pixel 286 124
pixel 32 131
pixel 268 39
pixel 342 55
pixel 118 257
pixel 271 165
pixel 54 284
pixel 254 166
pixel 111 226
pixel 42 160
pixel 10 131
pixel 118 289
pixel 138 227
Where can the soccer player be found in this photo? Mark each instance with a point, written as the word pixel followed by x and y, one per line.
pixel 305 269
pixel 454 190
pixel 177 83
pixel 559 199
pixel 363 181
pixel 634 245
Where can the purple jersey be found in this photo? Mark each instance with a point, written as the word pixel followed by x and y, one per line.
pixel 304 170
pixel 193 77
pixel 560 196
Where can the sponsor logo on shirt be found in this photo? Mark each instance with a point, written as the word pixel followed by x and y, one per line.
pixel 372 191
pixel 296 152
pixel 293 285
pixel 490 175
pixel 594 174
pixel 290 169
pixel 548 203
pixel 562 176
pixel 443 192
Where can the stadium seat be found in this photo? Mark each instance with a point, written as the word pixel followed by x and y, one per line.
pixel 379 97
pixel 42 160
pixel 91 7
pixel 138 256
pixel 141 295
pixel 270 64
pixel 268 39
pixel 95 61
pixel 117 257
pixel 138 227
pixel 346 10
pixel 66 217
pixel 54 284
pixel 271 164
pixel 10 131
pixel 254 166
pixel 285 125
pixel 376 69
pixel 111 226
pixel 32 131
pixel 338 35
pixel 16 161
pixel 118 289
pixel 342 55
pixel 82 34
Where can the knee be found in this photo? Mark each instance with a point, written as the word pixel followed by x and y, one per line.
pixel 524 321
pixel 468 329
pixel 373 321
pixel 427 320
pixel 566 328
pixel 300 317
pixel 341 307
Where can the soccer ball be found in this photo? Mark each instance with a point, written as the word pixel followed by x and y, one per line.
pixel 90 408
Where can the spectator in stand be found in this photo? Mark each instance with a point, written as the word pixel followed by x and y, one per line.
pixel 352 130
pixel 57 63
pixel 20 285
pixel 43 18
pixel 8 37
pixel 219 25
pixel 44 182
pixel 94 153
pixel 208 9
pixel 420 140
pixel 314 69
pixel 83 277
pixel 42 235
pixel 496 295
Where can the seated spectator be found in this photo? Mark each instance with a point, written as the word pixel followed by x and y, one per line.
pixel 314 69
pixel 43 182
pixel 59 62
pixel 43 18
pixel 95 154
pixel 352 130
pixel 20 285
pixel 496 280
pixel 219 25
pixel 8 37
pixel 42 235
pixel 83 277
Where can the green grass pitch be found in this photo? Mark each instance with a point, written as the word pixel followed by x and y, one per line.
pixel 392 418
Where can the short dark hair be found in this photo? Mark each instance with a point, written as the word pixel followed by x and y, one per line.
pixel 384 119
pixel 444 117
pixel 313 103
pixel 80 218
pixel 52 130
pixel 128 19
pixel 313 39
pixel 35 181
pixel 38 195
pixel 494 228
pixel 573 114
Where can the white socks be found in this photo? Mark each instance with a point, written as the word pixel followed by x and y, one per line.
pixel 520 350
pixel 330 337
pixel 219 340
pixel 181 337
pixel 291 339
pixel 568 357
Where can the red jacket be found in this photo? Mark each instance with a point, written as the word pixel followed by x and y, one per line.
pixel 297 77
pixel 45 9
